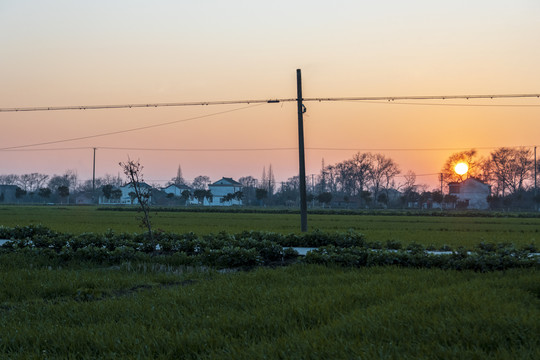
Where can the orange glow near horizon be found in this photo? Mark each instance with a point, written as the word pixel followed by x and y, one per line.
pixel 170 51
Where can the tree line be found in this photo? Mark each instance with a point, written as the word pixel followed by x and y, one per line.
pixel 371 180
pixel 365 180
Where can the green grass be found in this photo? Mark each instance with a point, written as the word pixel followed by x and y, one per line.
pixel 152 311
pixel 298 312
pixel 427 230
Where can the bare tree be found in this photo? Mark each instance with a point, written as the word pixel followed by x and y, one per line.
pixel 249 184
pixel 510 168
pixel 382 171
pixel 32 182
pixel 362 164
pixel 345 177
pixel 410 181
pixel 248 181
pixel 201 182
pixel 469 157
pixel 352 175
pixel 268 182
pixel 112 180
pixel 68 179
pixel 133 170
pixel 10 179
pixel 330 177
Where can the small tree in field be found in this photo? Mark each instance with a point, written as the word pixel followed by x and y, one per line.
pixel 63 192
pixel 133 171
pixel 324 198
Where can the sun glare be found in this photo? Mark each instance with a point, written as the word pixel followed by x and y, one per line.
pixel 461 168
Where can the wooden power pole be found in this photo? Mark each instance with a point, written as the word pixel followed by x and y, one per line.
pixel 94 173
pixel 535 176
pixel 302 162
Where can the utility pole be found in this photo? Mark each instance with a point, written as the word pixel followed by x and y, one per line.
pixel 535 173
pixel 442 194
pixel 302 161
pixel 94 176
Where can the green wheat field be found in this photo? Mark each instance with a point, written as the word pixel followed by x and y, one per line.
pixel 145 310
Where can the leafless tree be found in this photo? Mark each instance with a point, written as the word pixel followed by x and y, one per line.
pixel 32 182
pixel 249 184
pixel 382 171
pixel 330 177
pixel 112 180
pixel 133 171
pixel 10 179
pixel 410 181
pixel 469 157
pixel 68 179
pixel 268 181
pixel 510 168
pixel 201 182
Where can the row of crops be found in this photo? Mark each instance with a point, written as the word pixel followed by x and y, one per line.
pixel 256 248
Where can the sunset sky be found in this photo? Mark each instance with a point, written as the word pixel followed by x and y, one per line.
pixel 59 53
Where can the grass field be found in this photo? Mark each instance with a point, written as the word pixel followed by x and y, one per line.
pixel 297 312
pixel 427 230
pixel 151 311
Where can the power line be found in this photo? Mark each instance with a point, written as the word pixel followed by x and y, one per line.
pixel 426 97
pixel 440 104
pixel 203 150
pixel 134 106
pixel 265 149
pixel 49 149
pixel 268 101
pixel 128 130
pixel 416 149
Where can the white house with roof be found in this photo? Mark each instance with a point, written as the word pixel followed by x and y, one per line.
pixel 225 192
pixel 471 191
pixel 176 190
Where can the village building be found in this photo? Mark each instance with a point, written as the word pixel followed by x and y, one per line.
pixel 127 196
pixel 472 192
pixel 176 190
pixel 225 192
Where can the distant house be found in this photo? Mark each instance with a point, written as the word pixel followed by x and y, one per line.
pixel 176 190
pixel 225 192
pixel 8 193
pixel 128 193
pixel 472 192
pixel 113 199
pixel 127 197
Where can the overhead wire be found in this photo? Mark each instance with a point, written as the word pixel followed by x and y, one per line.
pixel 266 149
pixel 378 100
pixel 267 101
pixel 259 149
pixel 394 100
pixel 440 104
pixel 128 130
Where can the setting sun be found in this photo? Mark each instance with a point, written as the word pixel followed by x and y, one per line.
pixel 461 168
